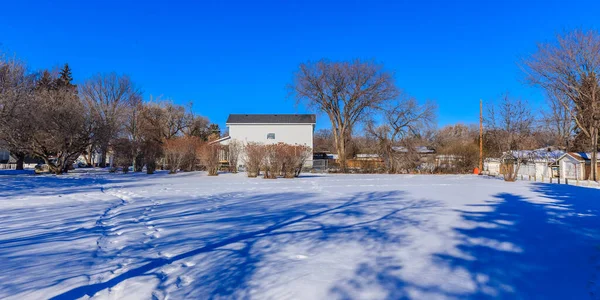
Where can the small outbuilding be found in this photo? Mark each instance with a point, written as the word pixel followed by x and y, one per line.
pixel 576 165
pixel 536 163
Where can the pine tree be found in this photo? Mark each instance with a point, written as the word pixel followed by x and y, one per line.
pixel 214 129
pixel 214 132
pixel 65 78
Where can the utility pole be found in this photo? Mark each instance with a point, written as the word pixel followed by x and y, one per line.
pixel 480 135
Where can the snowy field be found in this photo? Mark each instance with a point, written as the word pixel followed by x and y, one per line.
pixel 190 236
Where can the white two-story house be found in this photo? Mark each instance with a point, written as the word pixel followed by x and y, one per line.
pixel 293 129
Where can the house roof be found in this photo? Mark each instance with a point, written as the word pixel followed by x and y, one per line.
pixel 581 156
pixel 272 119
pixel 418 149
pixel 539 155
pixel 219 140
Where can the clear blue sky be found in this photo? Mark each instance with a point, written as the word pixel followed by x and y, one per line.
pixel 238 56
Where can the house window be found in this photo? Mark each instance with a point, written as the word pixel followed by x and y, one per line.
pixel 270 136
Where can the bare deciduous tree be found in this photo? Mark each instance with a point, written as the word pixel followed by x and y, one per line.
pixel 323 140
pixel 61 124
pixel 458 148
pixel 124 154
pixel 108 96
pixel 402 119
pixel 16 95
pixel 570 68
pixel 346 92
pixel 558 120
pixel 510 124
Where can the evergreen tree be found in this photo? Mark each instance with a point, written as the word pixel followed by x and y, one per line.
pixel 65 78
pixel 214 132
pixel 214 129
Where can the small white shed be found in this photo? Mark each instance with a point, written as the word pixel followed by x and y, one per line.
pixel 575 165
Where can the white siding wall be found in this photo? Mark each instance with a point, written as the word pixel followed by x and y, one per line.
pixel 537 169
pixel 293 134
pixel 571 168
pixel 492 167
pixel 4 154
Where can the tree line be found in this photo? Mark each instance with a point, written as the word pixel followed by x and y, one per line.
pixel 370 114
pixel 45 115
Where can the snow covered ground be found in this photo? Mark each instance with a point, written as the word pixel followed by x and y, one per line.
pixel 135 236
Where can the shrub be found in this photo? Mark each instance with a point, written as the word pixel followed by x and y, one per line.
pixel 293 157
pixel 209 154
pixel 151 151
pixel 276 160
pixel 255 155
pixel 234 150
pixel 192 156
pixel 123 154
pixel 175 151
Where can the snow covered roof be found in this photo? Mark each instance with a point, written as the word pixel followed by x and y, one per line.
pixel 537 154
pixel 582 156
pixel 272 119
pixel 419 149
pixel 367 155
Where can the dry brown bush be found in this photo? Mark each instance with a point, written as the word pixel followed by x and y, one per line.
pixel 274 154
pixel 175 151
pixel 193 153
pixel 255 155
pixel 276 160
pixel 235 148
pixel 209 154
pixel 293 158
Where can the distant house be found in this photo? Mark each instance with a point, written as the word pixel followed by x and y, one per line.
pixel 492 165
pixel 8 161
pixel 423 156
pixel 96 157
pixel 576 165
pixel 293 129
pixel 538 162
pixel 4 156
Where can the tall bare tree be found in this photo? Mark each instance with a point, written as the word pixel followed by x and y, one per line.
pixel 61 126
pixel 133 133
pixel 558 120
pixel 108 96
pixel 458 146
pixel 570 68
pixel 346 91
pixel 16 96
pixel 510 123
pixel 402 119
pixel 196 125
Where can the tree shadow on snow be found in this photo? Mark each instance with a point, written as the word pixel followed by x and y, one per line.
pixel 517 248
pixel 240 232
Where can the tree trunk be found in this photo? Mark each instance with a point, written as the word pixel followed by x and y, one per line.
pixel 138 163
pixel 20 160
pixel 56 169
pixel 102 163
pixel 150 166
pixel 88 159
pixel 342 156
